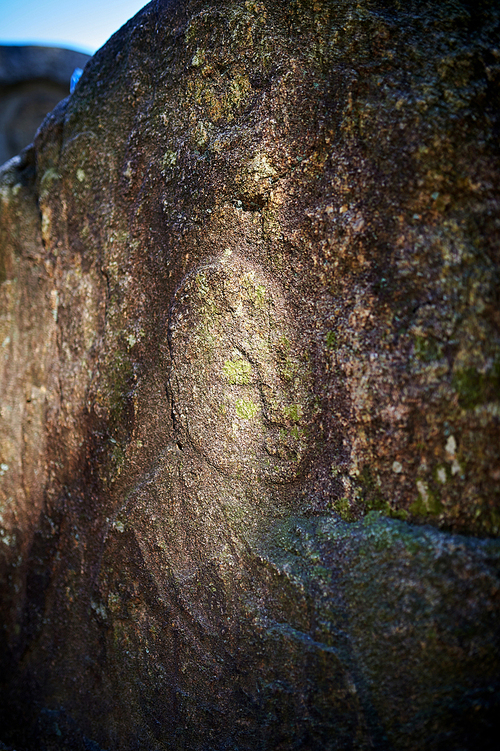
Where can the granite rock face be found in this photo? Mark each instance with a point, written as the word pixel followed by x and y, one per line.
pixel 250 386
pixel 32 81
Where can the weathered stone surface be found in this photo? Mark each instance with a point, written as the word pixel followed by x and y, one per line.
pixel 32 81
pixel 250 386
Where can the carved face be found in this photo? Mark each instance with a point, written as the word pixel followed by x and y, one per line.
pixel 239 387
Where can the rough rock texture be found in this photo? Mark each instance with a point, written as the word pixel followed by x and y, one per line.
pixel 250 386
pixel 32 81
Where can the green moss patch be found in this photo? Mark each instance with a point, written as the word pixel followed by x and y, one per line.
pixel 331 340
pixel 476 388
pixel 427 502
pixel 373 499
pixel 246 409
pixel 237 371
pixel 427 349
pixel 294 412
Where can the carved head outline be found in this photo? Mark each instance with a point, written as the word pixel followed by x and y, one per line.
pixel 239 386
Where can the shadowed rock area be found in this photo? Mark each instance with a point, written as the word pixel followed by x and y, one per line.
pixel 250 386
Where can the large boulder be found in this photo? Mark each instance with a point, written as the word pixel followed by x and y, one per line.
pixel 250 386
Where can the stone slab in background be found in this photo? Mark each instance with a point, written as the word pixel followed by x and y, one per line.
pixel 33 79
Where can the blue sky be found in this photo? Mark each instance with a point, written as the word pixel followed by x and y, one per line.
pixel 84 25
